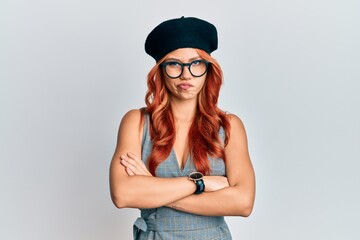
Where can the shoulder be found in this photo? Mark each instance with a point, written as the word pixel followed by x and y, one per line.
pixel 132 114
pixel 237 128
pixel 131 119
pixel 235 121
pixel 130 128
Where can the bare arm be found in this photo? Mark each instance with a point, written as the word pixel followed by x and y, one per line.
pixel 140 191
pixel 238 198
pixel 133 186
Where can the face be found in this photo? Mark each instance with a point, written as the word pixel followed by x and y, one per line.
pixel 186 86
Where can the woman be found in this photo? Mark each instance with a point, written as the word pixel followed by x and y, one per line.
pixel 181 160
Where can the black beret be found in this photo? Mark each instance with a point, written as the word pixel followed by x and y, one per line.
pixel 181 33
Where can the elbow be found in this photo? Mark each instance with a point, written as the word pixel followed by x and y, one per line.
pixel 246 211
pixel 118 202
pixel 122 195
pixel 119 199
pixel 245 208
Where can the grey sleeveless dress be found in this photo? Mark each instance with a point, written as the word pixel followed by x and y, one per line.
pixel 168 224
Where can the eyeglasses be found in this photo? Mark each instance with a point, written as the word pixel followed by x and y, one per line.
pixel 174 69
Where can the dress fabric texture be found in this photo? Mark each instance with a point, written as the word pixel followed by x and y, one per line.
pixel 165 223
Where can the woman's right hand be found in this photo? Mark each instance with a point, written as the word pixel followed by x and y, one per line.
pixel 214 183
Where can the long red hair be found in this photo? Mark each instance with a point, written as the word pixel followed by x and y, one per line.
pixel 203 138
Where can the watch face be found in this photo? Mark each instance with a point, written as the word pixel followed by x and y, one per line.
pixel 196 175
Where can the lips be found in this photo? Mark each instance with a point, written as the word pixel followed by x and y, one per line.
pixel 184 86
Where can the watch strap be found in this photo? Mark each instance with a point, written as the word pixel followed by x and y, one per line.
pixel 200 186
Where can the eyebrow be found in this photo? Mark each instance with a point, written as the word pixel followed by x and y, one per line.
pixel 176 59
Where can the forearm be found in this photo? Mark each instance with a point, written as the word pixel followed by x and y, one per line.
pixel 230 201
pixel 150 192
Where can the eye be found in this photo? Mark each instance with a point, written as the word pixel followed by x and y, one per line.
pixel 173 64
pixel 196 62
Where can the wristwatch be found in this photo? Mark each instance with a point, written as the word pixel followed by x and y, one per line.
pixel 197 177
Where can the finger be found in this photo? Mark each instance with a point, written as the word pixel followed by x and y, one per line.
pixel 135 164
pixel 129 172
pixel 134 157
pixel 133 169
pixel 139 162
pixel 123 161
pixel 132 162
pixel 127 164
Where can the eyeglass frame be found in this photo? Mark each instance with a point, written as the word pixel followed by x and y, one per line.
pixel 165 63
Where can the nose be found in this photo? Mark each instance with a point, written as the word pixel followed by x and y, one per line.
pixel 186 73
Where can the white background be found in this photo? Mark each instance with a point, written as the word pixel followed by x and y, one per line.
pixel 69 70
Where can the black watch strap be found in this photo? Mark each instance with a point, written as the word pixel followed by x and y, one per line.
pixel 200 186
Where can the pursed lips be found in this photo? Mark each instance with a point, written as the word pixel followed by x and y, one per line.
pixel 184 86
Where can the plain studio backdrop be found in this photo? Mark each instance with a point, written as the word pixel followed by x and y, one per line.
pixel 69 71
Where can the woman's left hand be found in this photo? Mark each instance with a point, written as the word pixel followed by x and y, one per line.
pixel 134 165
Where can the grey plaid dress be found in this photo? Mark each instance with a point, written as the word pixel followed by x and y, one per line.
pixel 168 224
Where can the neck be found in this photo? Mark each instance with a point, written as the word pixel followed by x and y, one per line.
pixel 183 111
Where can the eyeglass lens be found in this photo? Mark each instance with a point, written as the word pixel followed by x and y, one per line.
pixel 174 69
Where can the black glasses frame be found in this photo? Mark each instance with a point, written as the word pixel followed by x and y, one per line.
pixel 164 64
